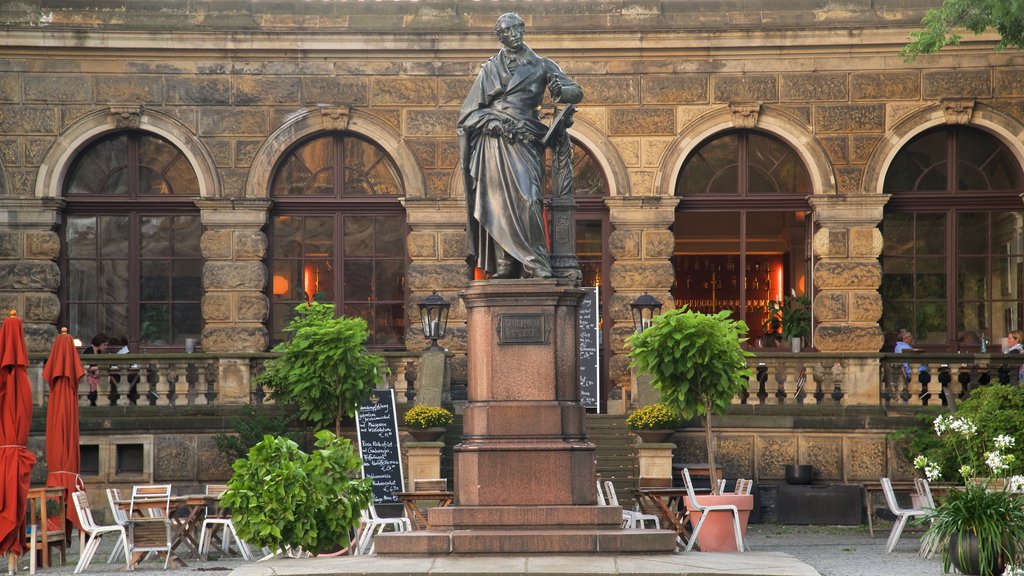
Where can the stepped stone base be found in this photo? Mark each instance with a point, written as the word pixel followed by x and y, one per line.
pixel 525 529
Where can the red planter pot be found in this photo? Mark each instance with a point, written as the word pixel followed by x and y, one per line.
pixel 717 535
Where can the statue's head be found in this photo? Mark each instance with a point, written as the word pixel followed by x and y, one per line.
pixel 509 29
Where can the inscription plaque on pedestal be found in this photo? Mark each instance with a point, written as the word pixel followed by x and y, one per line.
pixel 522 329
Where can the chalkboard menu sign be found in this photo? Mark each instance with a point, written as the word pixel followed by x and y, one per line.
pixel 590 349
pixel 377 429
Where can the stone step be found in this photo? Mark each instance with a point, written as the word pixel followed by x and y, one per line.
pixel 572 541
pixel 526 517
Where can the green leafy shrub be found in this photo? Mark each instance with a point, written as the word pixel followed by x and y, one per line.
pixel 653 417
pixel 280 496
pixel 423 417
pixel 324 368
pixel 250 429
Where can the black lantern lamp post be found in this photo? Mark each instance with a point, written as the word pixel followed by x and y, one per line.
pixel 434 319
pixel 644 309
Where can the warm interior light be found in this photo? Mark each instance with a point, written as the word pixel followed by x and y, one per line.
pixel 280 285
pixel 311 280
pixel 778 282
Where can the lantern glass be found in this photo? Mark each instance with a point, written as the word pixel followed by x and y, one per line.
pixel 644 309
pixel 434 317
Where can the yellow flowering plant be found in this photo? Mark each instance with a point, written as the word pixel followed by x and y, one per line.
pixel 653 417
pixel 422 417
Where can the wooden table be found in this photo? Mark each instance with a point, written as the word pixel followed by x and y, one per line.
pixel 667 505
pixel 417 516
pixel 187 525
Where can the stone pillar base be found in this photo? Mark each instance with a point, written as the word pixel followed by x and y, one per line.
pixel 655 460
pixel 423 462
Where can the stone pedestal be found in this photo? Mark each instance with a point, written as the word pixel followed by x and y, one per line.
pixel 655 460
pixel 423 462
pixel 524 472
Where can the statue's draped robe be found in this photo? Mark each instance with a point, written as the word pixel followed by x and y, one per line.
pixel 503 173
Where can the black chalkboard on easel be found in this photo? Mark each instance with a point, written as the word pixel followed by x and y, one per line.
pixel 377 429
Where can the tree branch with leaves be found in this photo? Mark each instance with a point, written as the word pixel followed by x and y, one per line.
pixel 941 25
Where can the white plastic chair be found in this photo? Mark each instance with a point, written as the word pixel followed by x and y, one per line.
pixel 96 533
pixel 120 517
pixel 374 524
pixel 929 544
pixel 601 500
pixel 707 509
pixel 223 523
pixel 743 487
pixel 902 514
pixel 630 518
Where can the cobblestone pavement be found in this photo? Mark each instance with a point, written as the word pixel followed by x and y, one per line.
pixel 831 550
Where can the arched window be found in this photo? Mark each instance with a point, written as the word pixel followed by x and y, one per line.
pixel 953 240
pixel 742 230
pixel 132 264
pixel 337 235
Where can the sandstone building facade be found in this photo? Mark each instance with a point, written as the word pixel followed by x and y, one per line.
pixel 195 169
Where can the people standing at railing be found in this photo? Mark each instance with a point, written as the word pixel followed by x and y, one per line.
pixel 92 374
pixel 121 345
pixel 904 341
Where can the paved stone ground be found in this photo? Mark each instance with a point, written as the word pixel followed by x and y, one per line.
pixel 830 550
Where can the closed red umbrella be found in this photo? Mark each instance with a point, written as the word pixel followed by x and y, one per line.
pixel 63 370
pixel 15 419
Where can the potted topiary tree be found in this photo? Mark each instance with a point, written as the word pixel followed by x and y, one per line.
pixel 697 365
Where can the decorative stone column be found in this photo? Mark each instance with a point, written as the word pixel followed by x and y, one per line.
pixel 847 276
pixel 29 275
pixel 641 246
pixel 235 305
pixel 422 462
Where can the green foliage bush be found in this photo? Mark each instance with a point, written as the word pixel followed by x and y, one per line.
pixel 280 496
pixel 250 429
pixel 324 368
pixel 423 417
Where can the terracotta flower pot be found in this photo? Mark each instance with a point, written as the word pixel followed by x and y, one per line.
pixel 427 434
pixel 717 535
pixel 658 435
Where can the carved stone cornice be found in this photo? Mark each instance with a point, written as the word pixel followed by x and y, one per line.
pixel 957 110
pixel 745 115
pixel 336 118
pixel 126 116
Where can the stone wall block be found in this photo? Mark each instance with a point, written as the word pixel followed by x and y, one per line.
pixel 746 88
pixel 250 244
pixel 127 89
pixel 217 307
pixel 816 86
pixel 9 153
pixel 174 457
pixel 773 453
pixel 453 245
pixel 601 90
pixel 216 244
pixel 845 274
pixel 197 90
pixel 425 151
pixel 861 147
pixel 837 148
pixel 447 153
pixel 231 121
pixel 265 90
pixel 957 83
pixel 650 121
pixel 618 367
pixel 848 338
pixel 12 301
pixel 422 245
pixel 28 120
pixel 253 307
pixel 865 242
pixel 1009 83
pixel 848 180
pixel 234 276
pixel 625 244
pixel 831 242
pixel 29 275
pixel 335 91
pixel 676 89
pixel 641 182
pixel 436 276
pixel 865 306
pixel 245 151
pixel 629 150
pixel 864 458
pixel 35 150
pixel 233 182
pixel 653 150
pixel 898 468
pixel 10 244
pixel 831 306
pixel 850 117
pixel 42 307
pixel 39 337
pixel 220 149
pixel 10 87
pixel 736 455
pixel 642 275
pixel 216 467
pixel 885 86
pixel 403 91
pixel 235 338
pixel 431 122
pixel 57 88
pixel 439 183
pixel 659 244
pixel 42 244
pixel 825 453
pixel 453 91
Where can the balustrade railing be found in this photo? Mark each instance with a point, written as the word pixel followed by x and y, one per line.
pixel 927 379
pixel 186 379
pixel 803 378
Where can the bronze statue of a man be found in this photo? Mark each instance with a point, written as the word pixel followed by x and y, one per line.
pixel 500 135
